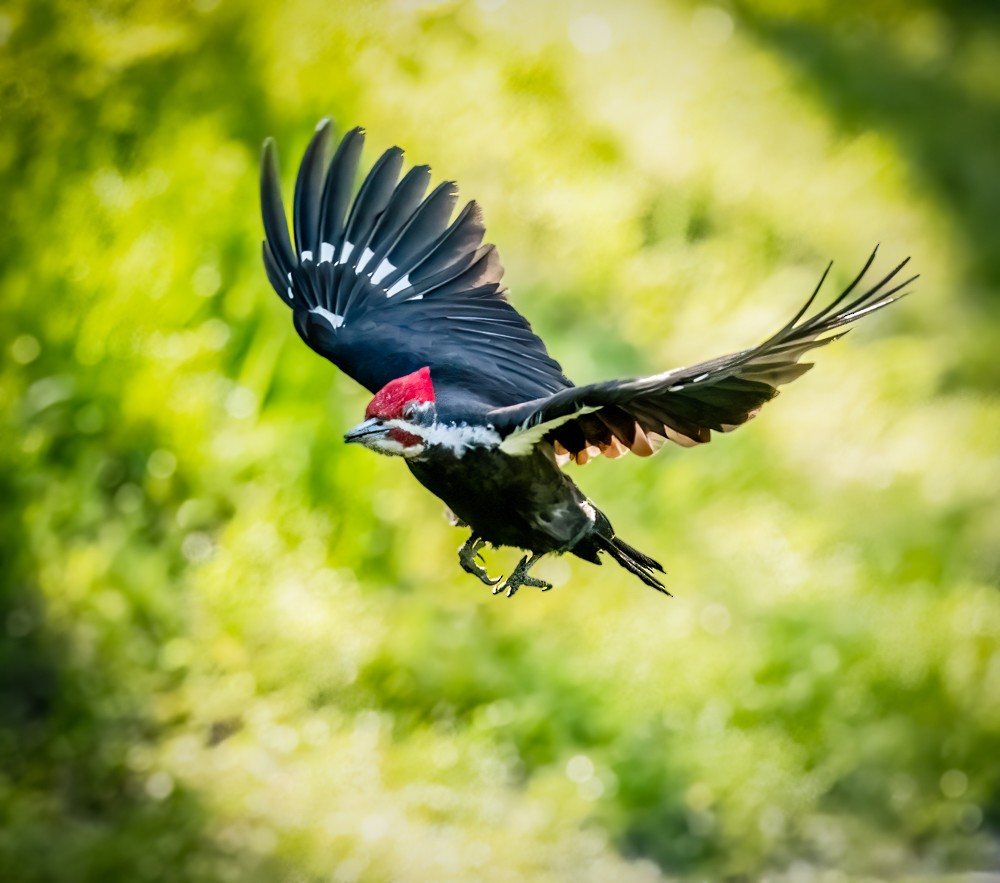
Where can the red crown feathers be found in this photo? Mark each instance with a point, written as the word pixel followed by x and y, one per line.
pixel 390 400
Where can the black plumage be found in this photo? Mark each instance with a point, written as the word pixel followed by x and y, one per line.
pixel 409 303
pixel 367 290
pixel 686 404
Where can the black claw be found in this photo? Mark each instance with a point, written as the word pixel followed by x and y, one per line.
pixel 520 577
pixel 467 556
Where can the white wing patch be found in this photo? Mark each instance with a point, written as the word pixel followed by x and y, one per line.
pixel 399 286
pixel 523 439
pixel 383 270
pixel 334 320
pixel 327 253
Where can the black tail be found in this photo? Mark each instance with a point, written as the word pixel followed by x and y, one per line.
pixel 632 560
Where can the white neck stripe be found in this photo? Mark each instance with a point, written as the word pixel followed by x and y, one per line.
pixel 457 437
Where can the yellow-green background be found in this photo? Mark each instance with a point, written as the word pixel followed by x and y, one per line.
pixel 233 649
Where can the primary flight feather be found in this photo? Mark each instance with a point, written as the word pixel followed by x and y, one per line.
pixel 409 303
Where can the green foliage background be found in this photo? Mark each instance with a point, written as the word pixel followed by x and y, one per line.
pixel 233 649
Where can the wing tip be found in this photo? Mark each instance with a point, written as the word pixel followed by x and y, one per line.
pixel 268 153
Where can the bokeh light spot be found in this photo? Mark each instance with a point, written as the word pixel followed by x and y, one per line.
pixel 715 619
pixel 954 784
pixel 580 768
pixel 25 349
pixel 161 463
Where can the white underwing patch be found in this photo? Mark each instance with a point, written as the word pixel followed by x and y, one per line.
pixel 335 320
pixel 523 439
pixel 383 270
pixel 398 286
pixel 366 256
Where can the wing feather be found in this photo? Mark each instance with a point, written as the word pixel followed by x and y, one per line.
pixel 272 210
pixel 309 191
pixel 383 282
pixel 338 184
pixel 686 405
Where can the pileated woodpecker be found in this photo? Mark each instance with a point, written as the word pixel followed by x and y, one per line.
pixel 409 303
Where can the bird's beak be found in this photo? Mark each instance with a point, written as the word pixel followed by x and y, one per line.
pixel 372 427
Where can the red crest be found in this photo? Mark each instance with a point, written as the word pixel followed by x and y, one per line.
pixel 390 400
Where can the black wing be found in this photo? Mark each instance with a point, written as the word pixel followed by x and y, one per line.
pixel 383 285
pixel 684 405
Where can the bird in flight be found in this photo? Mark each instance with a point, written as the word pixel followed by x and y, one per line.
pixel 409 302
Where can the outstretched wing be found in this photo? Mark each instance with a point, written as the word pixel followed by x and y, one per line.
pixel 686 404
pixel 382 284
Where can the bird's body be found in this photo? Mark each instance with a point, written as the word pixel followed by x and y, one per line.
pixel 524 502
pixel 408 303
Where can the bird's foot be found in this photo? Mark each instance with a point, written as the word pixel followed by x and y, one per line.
pixel 467 558
pixel 520 577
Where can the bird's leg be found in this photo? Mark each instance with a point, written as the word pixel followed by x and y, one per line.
pixel 520 578
pixel 467 558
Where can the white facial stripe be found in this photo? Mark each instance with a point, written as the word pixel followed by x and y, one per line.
pixel 400 286
pixel 384 269
pixel 334 320
pixel 389 446
pixel 456 437
pixel 325 252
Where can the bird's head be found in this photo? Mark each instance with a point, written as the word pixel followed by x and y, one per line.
pixel 398 418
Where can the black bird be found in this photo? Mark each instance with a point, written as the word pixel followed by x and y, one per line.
pixel 409 303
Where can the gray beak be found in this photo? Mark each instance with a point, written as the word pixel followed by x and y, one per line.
pixel 371 427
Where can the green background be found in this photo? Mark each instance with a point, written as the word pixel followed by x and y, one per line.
pixel 234 649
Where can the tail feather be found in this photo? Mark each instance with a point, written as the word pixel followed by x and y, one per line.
pixel 633 560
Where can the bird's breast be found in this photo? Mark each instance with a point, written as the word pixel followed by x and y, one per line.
pixel 521 501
